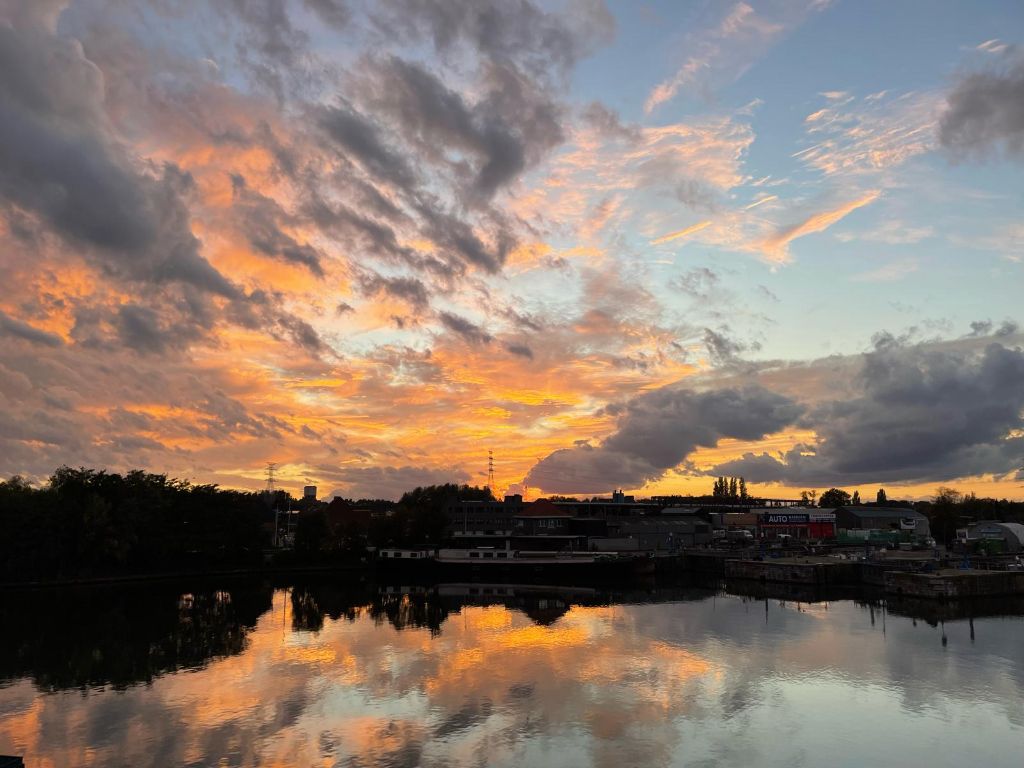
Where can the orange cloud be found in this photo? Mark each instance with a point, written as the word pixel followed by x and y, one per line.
pixel 681 233
pixel 776 246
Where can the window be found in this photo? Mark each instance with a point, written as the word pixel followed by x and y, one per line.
pixel 383 554
pixel 503 554
pixel 397 554
pixel 488 554
pixel 412 554
pixel 474 554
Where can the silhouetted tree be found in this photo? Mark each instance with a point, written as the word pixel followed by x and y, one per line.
pixel 880 496
pixel 834 498
pixel 945 514
pixel 856 499
pixel 88 522
pixel 743 489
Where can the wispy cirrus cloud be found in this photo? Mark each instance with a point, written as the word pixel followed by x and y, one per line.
pixel 775 246
pixel 681 233
pixel 722 51
pixel 870 134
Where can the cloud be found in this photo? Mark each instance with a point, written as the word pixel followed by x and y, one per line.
pixel 389 482
pixel 984 114
pixel 511 125
pixel 681 233
pixel 469 331
pixel 11 326
pixel 520 350
pixel 359 136
pixel 262 221
pixel 656 431
pixel 334 13
pixel 534 40
pixel 698 282
pixel 407 289
pixel 776 246
pixel 60 161
pixel 913 414
pixel 896 270
pixel 721 53
pixel 870 135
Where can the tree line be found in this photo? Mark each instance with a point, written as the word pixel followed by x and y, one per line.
pixel 86 523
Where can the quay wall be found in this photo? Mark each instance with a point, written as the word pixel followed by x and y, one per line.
pixel 951 585
pixel 793 571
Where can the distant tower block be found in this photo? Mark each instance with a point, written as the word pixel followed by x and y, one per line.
pixel 309 492
pixel 490 470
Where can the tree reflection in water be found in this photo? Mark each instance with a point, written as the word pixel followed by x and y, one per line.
pixel 120 635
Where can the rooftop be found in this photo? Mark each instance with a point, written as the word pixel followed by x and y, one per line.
pixel 891 512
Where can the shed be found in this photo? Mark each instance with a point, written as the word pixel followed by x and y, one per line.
pixel 866 517
pixel 1011 534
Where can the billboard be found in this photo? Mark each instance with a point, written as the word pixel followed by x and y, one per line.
pixel 783 518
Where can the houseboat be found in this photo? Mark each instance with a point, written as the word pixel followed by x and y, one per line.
pixel 514 561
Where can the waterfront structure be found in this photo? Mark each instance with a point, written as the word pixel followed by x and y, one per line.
pixel 1008 537
pixel 870 518
pixel 796 522
pixel 543 525
pixel 480 518
pixel 653 534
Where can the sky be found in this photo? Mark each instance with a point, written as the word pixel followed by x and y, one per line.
pixel 623 245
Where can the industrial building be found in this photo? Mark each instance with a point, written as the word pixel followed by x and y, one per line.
pixel 871 518
pixel 1006 537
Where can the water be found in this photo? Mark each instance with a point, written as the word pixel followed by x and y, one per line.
pixel 247 674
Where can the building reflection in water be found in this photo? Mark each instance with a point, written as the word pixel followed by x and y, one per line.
pixel 467 674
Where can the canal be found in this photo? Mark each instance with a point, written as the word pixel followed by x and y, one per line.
pixel 250 673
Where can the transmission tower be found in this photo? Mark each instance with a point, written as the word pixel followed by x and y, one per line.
pixel 490 470
pixel 270 477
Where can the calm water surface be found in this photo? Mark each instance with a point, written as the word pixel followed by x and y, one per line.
pixel 250 674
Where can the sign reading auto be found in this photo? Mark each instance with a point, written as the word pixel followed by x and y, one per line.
pixel 786 519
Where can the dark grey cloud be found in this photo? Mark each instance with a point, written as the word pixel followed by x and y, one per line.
pixel 11 326
pixel 522 350
pixel 1007 328
pixel 270 48
pixel 984 115
pixel 60 161
pixel 607 122
pixel 986 327
pixel 698 282
pixel 980 328
pixel 363 140
pixel 513 31
pixel 369 234
pixel 303 334
pixel 723 349
pixel 468 330
pixel 334 13
pixel 139 329
pixel 696 195
pixel 455 238
pixel 916 414
pixel 261 220
pixel 656 431
pixel 513 122
pixel 522 320
pixel 408 289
